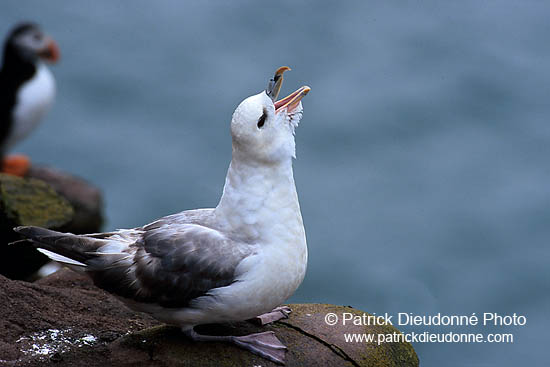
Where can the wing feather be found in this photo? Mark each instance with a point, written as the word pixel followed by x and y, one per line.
pixel 171 265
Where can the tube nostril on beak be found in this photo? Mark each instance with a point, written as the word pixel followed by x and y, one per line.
pixel 275 83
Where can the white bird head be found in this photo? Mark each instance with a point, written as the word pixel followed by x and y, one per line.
pixel 262 128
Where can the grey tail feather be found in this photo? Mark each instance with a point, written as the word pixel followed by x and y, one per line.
pixel 75 247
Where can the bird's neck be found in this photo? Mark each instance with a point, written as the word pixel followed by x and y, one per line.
pixel 260 199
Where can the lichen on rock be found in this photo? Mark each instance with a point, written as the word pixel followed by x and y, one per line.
pixel 31 202
pixel 48 198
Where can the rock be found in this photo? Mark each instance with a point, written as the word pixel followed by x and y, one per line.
pixel 85 199
pixel 47 198
pixel 27 202
pixel 63 320
pixel 31 202
pixel 63 313
pixel 309 339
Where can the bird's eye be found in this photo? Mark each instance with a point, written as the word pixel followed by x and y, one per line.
pixel 261 120
pixel 37 36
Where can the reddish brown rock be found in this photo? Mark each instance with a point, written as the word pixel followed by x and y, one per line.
pixel 63 320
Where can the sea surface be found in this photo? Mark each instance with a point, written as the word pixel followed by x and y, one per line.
pixel 422 158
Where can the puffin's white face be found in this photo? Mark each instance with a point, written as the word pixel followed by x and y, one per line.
pixel 31 43
pixel 263 131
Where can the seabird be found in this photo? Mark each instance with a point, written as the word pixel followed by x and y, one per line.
pixel 234 262
pixel 27 89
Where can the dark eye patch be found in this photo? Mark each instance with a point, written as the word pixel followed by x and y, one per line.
pixel 261 120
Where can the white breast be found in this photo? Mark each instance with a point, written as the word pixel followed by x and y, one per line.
pixel 263 204
pixel 34 99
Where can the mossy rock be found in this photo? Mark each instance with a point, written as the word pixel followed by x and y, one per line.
pixel 32 202
pixel 85 198
pixel 25 201
pixel 309 339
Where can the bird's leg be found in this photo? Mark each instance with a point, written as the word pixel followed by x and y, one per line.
pixel 265 344
pixel 278 313
pixel 16 164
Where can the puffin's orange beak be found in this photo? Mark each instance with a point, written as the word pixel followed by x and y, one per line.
pixel 51 51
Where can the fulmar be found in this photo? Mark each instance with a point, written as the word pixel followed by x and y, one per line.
pixel 234 262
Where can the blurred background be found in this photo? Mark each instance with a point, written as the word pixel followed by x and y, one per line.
pixel 422 164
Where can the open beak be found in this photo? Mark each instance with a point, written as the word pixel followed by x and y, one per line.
pixel 51 51
pixel 274 87
pixel 291 101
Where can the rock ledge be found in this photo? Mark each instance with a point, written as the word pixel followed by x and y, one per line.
pixel 64 320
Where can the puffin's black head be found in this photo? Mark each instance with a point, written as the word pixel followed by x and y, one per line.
pixel 28 43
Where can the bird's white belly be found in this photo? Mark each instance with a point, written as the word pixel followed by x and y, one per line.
pixel 34 99
pixel 267 280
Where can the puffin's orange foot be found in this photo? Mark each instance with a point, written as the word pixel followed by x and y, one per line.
pixel 17 165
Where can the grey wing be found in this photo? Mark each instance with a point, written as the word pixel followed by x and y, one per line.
pixel 170 265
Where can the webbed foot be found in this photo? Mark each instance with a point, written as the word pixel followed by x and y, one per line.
pixel 265 344
pixel 16 164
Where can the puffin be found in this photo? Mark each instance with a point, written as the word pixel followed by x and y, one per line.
pixel 240 260
pixel 27 89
